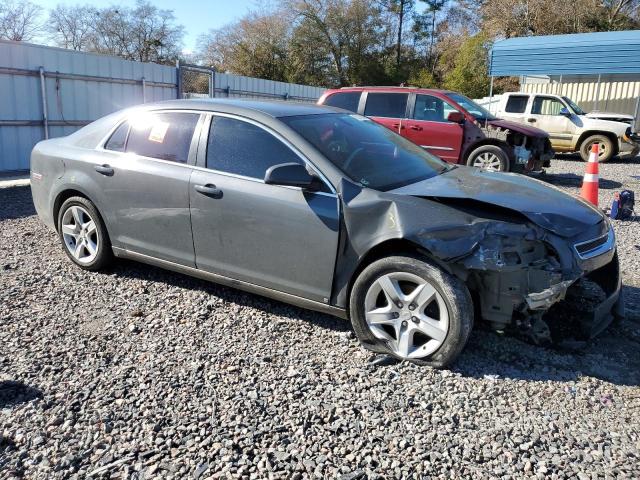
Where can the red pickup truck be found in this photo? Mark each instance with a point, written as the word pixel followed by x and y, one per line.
pixel 449 125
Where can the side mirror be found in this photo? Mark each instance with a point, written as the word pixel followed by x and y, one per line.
pixel 456 117
pixel 290 175
pixel 564 111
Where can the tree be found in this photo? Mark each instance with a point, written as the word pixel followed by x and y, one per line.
pixel 19 20
pixel 470 72
pixel 348 33
pixel 512 18
pixel 72 27
pixel 144 33
pixel 256 46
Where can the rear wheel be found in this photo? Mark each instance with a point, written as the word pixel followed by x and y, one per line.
pixel 489 157
pixel 83 234
pixel 411 309
pixel 605 148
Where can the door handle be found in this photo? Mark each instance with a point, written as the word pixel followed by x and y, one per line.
pixel 397 125
pixel 105 169
pixel 531 120
pixel 209 190
pixel 418 128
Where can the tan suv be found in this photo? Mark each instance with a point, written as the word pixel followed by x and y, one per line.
pixel 570 128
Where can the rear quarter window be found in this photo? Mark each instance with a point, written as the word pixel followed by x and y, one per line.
pixel 517 104
pixel 118 139
pixel 347 100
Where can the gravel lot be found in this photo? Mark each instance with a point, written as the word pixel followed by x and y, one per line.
pixel 142 373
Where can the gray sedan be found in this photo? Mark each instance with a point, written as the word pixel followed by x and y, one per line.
pixel 327 210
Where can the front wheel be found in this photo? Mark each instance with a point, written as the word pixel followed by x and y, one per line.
pixel 489 157
pixel 412 310
pixel 83 234
pixel 605 148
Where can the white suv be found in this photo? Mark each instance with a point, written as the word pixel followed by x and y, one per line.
pixel 570 129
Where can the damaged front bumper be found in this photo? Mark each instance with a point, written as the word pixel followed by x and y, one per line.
pixel 519 282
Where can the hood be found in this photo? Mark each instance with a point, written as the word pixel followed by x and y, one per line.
pixel 544 205
pixel 620 117
pixel 518 127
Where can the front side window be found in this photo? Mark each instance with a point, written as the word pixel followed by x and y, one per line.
pixel 574 106
pixel 366 152
pixel 546 106
pixel 389 105
pixel 431 109
pixel 165 135
pixel 346 100
pixel 516 104
pixel 477 111
pixel 242 148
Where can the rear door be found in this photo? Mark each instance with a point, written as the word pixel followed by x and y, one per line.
pixel 388 109
pixel 429 127
pixel 283 238
pixel 545 114
pixel 145 179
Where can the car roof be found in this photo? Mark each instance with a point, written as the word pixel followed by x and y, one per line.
pixel 273 108
pixel 392 89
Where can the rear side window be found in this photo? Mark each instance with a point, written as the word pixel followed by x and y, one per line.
pixel 391 105
pixel 516 104
pixel 241 148
pixel 166 136
pixel 347 100
pixel 118 139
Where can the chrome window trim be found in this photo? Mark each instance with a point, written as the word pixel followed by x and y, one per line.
pixel 209 115
pixel 278 136
pixel 106 138
pixel 604 248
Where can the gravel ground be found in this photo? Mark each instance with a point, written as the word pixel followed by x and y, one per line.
pixel 142 373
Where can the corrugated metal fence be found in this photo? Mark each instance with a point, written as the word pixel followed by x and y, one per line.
pixel 47 91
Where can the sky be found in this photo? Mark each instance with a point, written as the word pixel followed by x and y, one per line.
pixel 197 16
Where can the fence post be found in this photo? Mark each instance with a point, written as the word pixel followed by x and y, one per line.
pixel 178 82
pixel 45 115
pixel 144 90
pixel 597 94
pixel 212 84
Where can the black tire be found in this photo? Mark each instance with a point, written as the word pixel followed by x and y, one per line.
pixel 607 150
pixel 498 153
pixel 453 291
pixel 104 254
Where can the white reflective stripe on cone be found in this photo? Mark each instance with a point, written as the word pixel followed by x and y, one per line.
pixel 590 177
pixel 593 158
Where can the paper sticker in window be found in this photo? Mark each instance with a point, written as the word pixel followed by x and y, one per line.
pixel 158 132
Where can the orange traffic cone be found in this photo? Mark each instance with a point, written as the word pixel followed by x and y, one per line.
pixel 590 182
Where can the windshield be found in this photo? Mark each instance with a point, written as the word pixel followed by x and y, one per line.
pixel 478 112
pixel 576 109
pixel 367 153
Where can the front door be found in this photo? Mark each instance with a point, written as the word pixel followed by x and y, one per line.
pixel 429 128
pixel 277 237
pixel 145 175
pixel 388 109
pixel 545 114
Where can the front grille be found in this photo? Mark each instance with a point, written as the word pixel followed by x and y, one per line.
pixel 586 247
pixel 597 246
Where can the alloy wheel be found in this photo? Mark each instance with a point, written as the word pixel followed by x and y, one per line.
pixel 80 234
pixel 407 313
pixel 487 161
